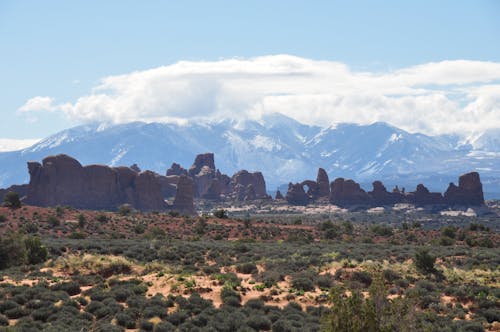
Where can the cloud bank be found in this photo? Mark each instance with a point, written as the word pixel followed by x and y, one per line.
pixel 458 96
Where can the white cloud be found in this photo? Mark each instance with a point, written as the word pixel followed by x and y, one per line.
pixel 443 97
pixel 37 104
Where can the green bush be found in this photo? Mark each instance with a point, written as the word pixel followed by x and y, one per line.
pixel 220 213
pixel 12 250
pixel 71 287
pixel 11 199
pixel 4 321
pixel 126 320
pixel 36 252
pixel 425 261
pixel 303 283
pixel 246 268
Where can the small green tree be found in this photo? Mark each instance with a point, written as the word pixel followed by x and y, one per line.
pixel 220 213
pixel 424 261
pixel 12 250
pixel 35 250
pixel 11 199
pixel 81 220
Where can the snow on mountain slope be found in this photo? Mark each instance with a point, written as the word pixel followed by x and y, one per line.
pixel 282 148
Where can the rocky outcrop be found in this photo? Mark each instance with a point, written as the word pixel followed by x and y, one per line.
pixel 296 194
pixel 347 192
pixel 176 169
pixel 62 180
pixel 245 179
pixel 323 183
pixel 279 195
pixel 380 195
pixel 184 202
pixel 209 183
pixel 168 184
pixel 468 193
pixel 135 168
pixel 312 189
pixel 202 160
pixel 422 196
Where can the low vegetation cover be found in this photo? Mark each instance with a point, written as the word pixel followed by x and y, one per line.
pixel 64 269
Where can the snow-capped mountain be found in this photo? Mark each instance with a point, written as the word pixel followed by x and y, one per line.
pixel 282 148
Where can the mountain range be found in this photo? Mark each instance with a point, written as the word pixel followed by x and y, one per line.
pixel 282 148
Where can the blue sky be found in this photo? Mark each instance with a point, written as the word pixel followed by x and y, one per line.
pixel 63 49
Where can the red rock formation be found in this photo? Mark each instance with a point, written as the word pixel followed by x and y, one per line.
pixel 201 160
pixel 62 180
pixel 296 195
pixel 422 196
pixel 347 192
pixel 468 192
pixel 183 201
pixel 176 169
pixel 323 183
pixel 256 179
pixel 312 188
pixel 135 168
pixel 279 195
pixel 381 196
pixel 250 193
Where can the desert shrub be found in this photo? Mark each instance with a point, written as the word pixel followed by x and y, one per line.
pixel 491 315
pixel 256 304
pixel 324 281
pixel 30 228
pixel 470 326
pixel 16 313
pixel 164 327
pixel 4 321
pixel 36 252
pixel 424 261
pixel 53 221
pixel 3 218
pixel 71 287
pixel 449 231
pixel 282 325
pixel 11 200
pixel 363 277
pixel 126 320
pixel 108 327
pixel 125 209
pixel 177 317
pixel 390 275
pixel 7 305
pixel 77 235
pixel 446 241
pixel 102 218
pixel 229 280
pixel 153 311
pixel 146 325
pixel 259 322
pixel 246 268
pixel 43 314
pixel 12 250
pixel 220 213
pixel 382 230
pixel 303 283
pixel 140 228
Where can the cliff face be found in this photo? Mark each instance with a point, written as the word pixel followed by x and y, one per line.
pixel 62 180
pixel 468 192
